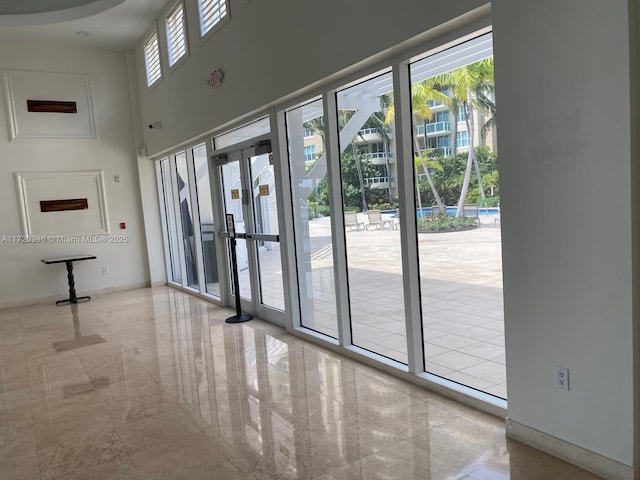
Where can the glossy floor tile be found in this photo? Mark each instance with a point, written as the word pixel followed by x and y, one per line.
pixel 174 392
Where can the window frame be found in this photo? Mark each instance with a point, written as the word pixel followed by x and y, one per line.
pixel 215 27
pixel 153 31
pixel 171 11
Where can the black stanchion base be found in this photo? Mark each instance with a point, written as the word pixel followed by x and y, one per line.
pixel 239 318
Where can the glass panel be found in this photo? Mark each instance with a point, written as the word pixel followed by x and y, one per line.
pixel 170 215
pixel 461 271
pixel 207 227
pixel 369 194
pixel 187 219
pixel 233 204
pixel 242 134
pixel 265 207
pixel 312 224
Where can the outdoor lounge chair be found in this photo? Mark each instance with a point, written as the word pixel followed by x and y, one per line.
pixel 375 218
pixel 437 211
pixel 471 211
pixel 351 220
pixel 395 220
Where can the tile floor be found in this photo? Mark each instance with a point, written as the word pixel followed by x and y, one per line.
pixel 152 384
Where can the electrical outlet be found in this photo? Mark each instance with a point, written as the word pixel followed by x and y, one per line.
pixel 105 270
pixel 562 378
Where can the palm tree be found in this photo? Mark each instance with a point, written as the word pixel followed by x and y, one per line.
pixel 421 92
pixel 465 84
pixel 377 121
pixel 487 105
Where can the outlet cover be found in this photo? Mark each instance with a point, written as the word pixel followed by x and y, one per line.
pixel 562 378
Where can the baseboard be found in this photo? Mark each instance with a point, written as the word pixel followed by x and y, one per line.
pixel 583 458
pixel 53 299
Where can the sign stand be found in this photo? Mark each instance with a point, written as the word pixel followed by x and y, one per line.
pixel 231 229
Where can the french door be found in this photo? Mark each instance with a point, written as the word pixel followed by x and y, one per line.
pixel 248 192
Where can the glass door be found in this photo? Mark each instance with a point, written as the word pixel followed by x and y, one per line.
pixel 249 193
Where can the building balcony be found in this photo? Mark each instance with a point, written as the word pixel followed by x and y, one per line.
pixel 378 182
pixel 368 135
pixel 379 158
pixel 434 128
pixel 436 104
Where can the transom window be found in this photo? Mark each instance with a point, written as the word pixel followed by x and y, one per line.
pixel 212 12
pixel 176 35
pixel 152 59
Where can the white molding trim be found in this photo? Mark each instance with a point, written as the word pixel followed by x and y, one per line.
pixel 26 184
pixel 583 458
pixel 20 85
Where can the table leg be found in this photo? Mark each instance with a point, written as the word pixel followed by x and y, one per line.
pixel 72 283
pixel 72 286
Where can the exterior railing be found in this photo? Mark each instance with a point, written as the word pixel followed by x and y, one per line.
pixel 435 127
pixel 376 180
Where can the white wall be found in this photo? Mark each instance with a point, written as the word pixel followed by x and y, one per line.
pixel 563 102
pixel 148 185
pixel 22 275
pixel 271 49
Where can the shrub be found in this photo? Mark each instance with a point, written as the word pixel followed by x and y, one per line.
pixel 323 210
pixel 445 223
pixel 384 206
pixel 489 202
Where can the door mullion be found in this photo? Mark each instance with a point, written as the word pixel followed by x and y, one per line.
pixel 283 200
pixel 160 181
pixel 250 227
pixel 195 220
pixel 178 216
pixel 215 185
pixel 408 226
pixel 338 238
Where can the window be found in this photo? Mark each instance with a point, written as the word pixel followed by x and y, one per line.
pixel 152 59
pixel 461 112
pixel 212 12
pixel 176 35
pixel 308 133
pixel 462 139
pixel 439 142
pixel 440 117
pixel 309 153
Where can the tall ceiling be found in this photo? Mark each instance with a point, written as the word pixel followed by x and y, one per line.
pixel 105 24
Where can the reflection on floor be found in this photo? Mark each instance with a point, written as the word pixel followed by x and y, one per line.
pixel 173 392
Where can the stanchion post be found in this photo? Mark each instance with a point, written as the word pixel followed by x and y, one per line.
pixel 238 317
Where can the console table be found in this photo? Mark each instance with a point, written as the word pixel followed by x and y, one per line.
pixel 72 286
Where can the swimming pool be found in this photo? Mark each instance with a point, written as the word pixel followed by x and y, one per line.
pixel 426 211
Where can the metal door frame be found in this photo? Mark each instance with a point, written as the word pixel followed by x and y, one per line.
pixel 243 152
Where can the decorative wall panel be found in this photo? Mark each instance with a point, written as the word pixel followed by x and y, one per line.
pixel 74 203
pixel 49 105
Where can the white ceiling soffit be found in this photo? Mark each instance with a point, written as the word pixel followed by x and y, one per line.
pixel 116 25
pixel 17 13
